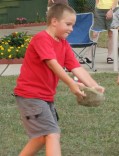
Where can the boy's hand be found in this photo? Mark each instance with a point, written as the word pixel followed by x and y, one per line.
pixel 81 85
pixel 75 89
pixel 99 89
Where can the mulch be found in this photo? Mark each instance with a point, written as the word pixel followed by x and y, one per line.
pixel 13 26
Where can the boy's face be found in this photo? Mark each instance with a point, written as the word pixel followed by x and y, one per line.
pixel 64 26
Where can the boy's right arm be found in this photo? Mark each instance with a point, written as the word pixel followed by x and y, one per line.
pixel 59 71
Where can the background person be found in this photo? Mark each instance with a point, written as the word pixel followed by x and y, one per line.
pixel 103 18
pixel 115 21
pixel 47 54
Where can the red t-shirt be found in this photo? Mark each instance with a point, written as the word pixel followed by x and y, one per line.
pixel 36 80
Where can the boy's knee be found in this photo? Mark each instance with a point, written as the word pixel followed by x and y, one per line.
pixel 40 140
pixel 53 136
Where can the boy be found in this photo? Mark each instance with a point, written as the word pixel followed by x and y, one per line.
pixel 46 55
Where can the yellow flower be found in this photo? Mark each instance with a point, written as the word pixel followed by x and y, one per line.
pixel 9 50
pixel 22 45
pixel 10 56
pixel 11 47
pixel 27 40
pixel 2 48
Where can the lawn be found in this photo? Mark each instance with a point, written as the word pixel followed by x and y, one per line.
pixel 103 38
pixel 85 131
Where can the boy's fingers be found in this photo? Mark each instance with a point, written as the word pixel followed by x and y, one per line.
pixel 80 94
pixel 81 85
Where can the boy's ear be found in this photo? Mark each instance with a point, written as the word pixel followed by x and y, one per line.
pixel 54 21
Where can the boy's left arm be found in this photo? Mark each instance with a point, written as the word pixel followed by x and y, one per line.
pixel 86 79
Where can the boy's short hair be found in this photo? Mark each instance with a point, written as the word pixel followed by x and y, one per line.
pixel 57 10
pixel 50 3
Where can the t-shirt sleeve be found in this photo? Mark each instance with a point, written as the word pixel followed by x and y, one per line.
pixel 71 61
pixel 44 48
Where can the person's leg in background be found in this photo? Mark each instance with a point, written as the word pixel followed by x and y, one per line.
pixel 110 46
pixel 88 56
pixel 98 26
pixel 103 24
pixel 95 37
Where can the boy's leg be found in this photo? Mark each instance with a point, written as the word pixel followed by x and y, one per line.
pixel 53 145
pixel 33 146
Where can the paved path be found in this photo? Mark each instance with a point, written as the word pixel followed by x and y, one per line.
pixel 100 61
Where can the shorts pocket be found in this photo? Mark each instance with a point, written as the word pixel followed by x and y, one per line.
pixel 32 112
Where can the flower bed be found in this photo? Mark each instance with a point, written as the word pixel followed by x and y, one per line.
pixel 14 45
pixel 13 26
pixel 12 61
pixel 21 20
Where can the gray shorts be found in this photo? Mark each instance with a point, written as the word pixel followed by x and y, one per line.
pixel 100 21
pixel 39 117
pixel 115 22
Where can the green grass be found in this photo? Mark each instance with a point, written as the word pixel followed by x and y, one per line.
pixel 85 131
pixel 103 38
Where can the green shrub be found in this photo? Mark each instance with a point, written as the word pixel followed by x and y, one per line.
pixel 14 45
pixel 80 5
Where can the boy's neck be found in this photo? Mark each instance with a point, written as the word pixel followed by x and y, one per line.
pixel 52 34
